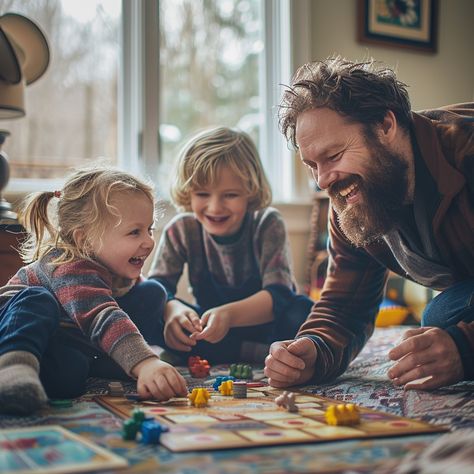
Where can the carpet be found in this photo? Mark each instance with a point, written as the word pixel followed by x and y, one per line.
pixel 364 383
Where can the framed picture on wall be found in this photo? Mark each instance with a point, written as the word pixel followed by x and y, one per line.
pixel 410 24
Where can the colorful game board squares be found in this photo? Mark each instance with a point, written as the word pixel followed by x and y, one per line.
pixel 326 431
pixel 270 436
pixel 201 441
pixel 311 412
pixel 299 423
pixel 190 418
pixel 270 415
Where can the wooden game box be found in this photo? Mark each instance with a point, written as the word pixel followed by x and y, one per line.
pixel 257 421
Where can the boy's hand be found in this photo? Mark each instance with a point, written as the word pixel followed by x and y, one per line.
pixel 216 323
pixel 158 380
pixel 180 324
pixel 290 362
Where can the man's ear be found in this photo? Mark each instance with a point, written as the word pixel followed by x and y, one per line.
pixel 388 128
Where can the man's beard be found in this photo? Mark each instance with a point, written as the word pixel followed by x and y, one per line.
pixel 382 192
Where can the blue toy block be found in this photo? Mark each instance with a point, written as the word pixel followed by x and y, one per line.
pixel 151 432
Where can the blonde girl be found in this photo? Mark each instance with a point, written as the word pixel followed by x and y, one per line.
pixel 80 307
pixel 235 247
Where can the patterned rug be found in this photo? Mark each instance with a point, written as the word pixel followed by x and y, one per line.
pixel 365 383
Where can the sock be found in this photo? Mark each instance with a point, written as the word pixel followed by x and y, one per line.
pixel 21 391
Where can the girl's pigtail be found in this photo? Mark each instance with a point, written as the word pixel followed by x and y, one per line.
pixel 34 217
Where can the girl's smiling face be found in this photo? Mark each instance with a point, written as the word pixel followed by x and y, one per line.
pixel 221 206
pixel 128 240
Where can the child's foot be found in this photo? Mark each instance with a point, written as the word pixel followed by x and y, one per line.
pixel 21 391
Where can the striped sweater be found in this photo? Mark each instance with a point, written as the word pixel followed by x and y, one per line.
pixel 86 292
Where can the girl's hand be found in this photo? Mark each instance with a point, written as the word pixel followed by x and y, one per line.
pixel 180 325
pixel 216 323
pixel 158 380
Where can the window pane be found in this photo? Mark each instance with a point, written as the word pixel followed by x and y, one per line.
pixel 71 112
pixel 210 54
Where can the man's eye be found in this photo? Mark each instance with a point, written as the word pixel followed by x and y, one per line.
pixel 135 232
pixel 335 157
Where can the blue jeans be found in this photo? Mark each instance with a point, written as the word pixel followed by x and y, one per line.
pixel 452 306
pixel 29 321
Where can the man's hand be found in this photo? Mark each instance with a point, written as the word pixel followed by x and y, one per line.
pixel 216 323
pixel 158 380
pixel 180 323
pixel 290 362
pixel 427 353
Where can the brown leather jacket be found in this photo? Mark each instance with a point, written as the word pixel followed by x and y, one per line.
pixel 343 319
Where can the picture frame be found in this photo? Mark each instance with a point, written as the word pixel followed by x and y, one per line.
pixel 409 24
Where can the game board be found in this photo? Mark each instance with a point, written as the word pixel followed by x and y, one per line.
pixel 52 449
pixel 257 421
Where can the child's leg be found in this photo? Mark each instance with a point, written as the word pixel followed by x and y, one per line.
pixel 145 305
pixel 66 364
pixel 288 323
pixel 27 322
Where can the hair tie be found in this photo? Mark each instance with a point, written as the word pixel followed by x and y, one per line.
pixel 57 194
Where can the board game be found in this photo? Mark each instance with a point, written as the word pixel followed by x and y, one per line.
pixel 52 449
pixel 227 422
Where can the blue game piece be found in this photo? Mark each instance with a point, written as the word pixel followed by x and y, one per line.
pixel 151 432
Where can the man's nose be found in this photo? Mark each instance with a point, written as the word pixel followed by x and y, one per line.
pixel 324 177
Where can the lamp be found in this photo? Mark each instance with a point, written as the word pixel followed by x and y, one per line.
pixel 24 58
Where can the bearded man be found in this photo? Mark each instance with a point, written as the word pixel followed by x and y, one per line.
pixel 401 186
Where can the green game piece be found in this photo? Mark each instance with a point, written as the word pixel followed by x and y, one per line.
pixel 60 403
pixel 233 370
pixel 138 415
pixel 130 429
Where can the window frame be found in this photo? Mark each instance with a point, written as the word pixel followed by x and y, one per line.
pixel 287 44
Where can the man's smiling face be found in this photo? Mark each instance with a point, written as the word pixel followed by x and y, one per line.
pixel 366 180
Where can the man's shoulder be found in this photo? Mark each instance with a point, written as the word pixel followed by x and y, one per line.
pixel 461 112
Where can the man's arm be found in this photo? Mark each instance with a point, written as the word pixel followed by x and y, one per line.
pixel 342 321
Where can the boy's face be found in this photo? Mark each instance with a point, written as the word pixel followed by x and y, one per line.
pixel 128 241
pixel 221 206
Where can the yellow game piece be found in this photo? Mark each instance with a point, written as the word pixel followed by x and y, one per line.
pixel 342 415
pixel 199 397
pixel 227 387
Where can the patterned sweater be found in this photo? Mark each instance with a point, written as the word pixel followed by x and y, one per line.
pixel 262 238
pixel 343 319
pixel 86 292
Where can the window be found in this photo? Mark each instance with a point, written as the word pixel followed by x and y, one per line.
pixel 71 112
pixel 132 81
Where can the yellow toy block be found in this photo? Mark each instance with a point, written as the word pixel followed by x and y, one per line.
pixel 342 415
pixel 227 387
pixel 199 397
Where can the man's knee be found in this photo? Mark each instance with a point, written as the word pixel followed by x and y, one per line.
pixel 453 305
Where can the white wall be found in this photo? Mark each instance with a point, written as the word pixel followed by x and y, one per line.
pixel 442 78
